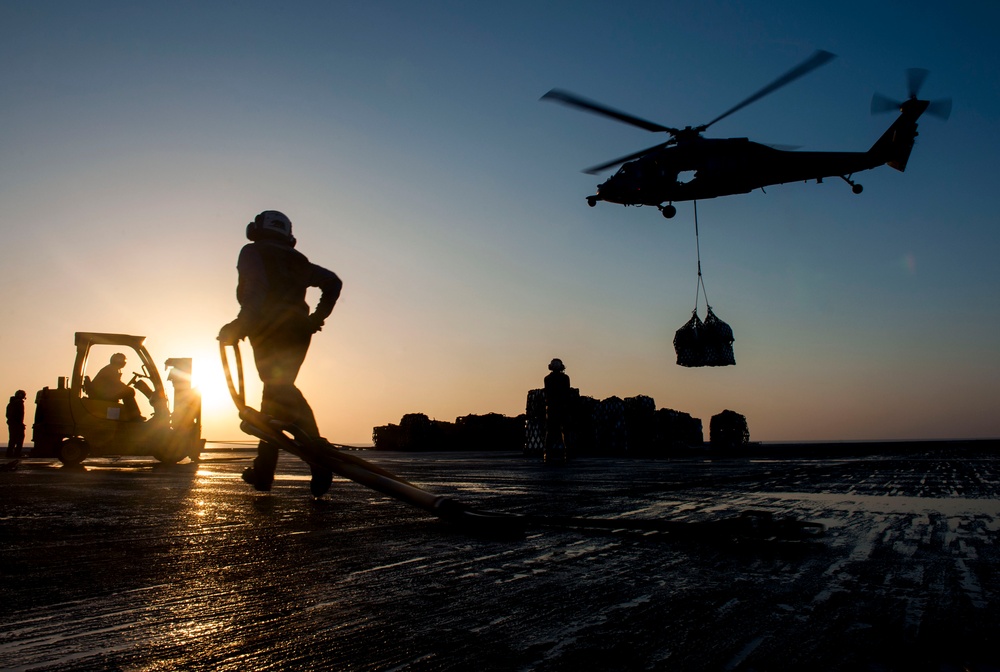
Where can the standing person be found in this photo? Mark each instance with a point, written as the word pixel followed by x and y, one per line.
pixel 273 280
pixel 15 424
pixel 107 385
pixel 557 402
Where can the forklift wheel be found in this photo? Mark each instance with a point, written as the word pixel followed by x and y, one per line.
pixel 169 455
pixel 174 451
pixel 73 451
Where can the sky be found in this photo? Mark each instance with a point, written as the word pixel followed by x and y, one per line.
pixel 407 143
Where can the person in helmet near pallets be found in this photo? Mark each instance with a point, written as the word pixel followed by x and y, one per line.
pixel 557 409
pixel 273 280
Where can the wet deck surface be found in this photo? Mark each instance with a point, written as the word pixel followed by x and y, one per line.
pixel 125 565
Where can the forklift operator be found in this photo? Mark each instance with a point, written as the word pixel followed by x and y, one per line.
pixel 273 280
pixel 107 385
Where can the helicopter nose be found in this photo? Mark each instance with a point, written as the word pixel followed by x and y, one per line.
pixel 610 190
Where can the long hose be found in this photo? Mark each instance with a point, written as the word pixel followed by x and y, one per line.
pixel 318 451
pixel 508 526
pixel 264 427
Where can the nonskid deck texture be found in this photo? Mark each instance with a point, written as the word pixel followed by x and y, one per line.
pixel 130 566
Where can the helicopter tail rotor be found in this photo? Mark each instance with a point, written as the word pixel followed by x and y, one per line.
pixel 882 104
pixel 940 108
pixel 915 78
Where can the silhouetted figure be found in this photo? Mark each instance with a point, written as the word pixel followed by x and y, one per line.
pixel 15 424
pixel 273 280
pixel 557 402
pixel 107 385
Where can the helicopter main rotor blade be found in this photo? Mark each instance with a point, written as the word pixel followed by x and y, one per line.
pixel 782 148
pixel 594 170
pixel 819 58
pixel 574 100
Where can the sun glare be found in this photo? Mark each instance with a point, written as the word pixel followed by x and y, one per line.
pixel 219 416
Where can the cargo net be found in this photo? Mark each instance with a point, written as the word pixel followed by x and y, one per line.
pixel 534 426
pixel 704 343
pixel 708 342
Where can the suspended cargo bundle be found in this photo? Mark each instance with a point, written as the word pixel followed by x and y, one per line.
pixel 718 341
pixel 687 342
pixel 708 343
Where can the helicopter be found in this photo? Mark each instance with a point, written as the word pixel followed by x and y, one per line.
pixel 723 167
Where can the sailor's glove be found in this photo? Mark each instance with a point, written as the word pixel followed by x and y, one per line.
pixel 315 323
pixel 232 333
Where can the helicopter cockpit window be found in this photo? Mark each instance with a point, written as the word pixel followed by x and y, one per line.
pixel 632 170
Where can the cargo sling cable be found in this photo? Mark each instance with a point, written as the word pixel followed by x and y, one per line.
pixel 708 343
pixel 700 285
pixel 317 450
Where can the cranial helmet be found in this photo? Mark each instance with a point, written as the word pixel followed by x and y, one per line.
pixel 271 225
pixel 118 359
pixel 20 394
pixel 556 365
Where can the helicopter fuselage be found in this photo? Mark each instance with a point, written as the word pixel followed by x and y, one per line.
pixel 691 167
pixel 722 167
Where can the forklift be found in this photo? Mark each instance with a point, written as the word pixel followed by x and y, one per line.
pixel 72 425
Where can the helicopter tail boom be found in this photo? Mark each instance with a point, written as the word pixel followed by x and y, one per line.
pixel 895 145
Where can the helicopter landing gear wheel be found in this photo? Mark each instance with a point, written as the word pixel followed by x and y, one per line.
pixel 668 211
pixel 73 451
pixel 591 201
pixel 855 187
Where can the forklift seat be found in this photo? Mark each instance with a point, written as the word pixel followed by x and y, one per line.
pixel 110 410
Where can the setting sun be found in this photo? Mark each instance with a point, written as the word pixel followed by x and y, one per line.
pixel 219 415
